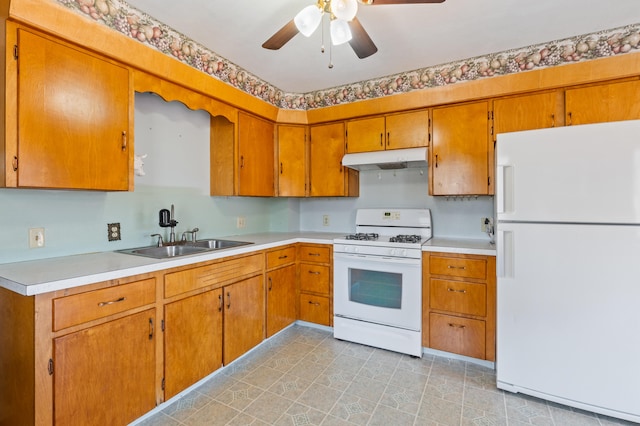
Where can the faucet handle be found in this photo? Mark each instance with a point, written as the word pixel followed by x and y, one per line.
pixel 160 242
pixel 193 233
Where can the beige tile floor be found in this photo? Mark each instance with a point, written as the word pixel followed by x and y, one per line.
pixel 303 376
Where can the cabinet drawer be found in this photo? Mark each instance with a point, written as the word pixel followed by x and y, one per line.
pixel 225 272
pixel 462 336
pixel 281 257
pixel 318 254
pixel 458 297
pixel 314 309
pixel 457 267
pixel 314 278
pixel 84 307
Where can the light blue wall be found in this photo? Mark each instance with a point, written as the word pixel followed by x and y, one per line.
pixel 176 141
pixel 456 217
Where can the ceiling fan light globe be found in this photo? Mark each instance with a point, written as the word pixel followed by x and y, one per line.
pixel 308 19
pixel 340 32
pixel 344 9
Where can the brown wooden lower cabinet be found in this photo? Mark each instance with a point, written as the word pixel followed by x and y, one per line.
pixel 464 336
pixel 105 375
pixel 192 340
pixel 459 304
pixel 243 317
pixel 93 355
pixel 315 280
pixel 315 309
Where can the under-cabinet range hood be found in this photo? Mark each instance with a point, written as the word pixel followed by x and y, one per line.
pixel 386 160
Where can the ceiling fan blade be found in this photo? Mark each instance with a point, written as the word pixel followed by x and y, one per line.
pixel 282 36
pixel 377 2
pixel 360 40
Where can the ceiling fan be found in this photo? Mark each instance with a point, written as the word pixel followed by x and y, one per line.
pixel 344 25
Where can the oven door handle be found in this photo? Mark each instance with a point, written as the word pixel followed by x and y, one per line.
pixel 386 259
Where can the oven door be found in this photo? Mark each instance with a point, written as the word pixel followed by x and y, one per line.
pixel 378 289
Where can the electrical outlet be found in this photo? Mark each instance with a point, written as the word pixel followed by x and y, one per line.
pixel 484 222
pixel 241 222
pixel 113 231
pixel 36 237
pixel 325 220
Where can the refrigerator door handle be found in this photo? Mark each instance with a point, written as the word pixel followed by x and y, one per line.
pixel 504 189
pixel 505 254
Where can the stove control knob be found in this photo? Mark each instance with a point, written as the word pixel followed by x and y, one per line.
pixel 392 252
pixel 356 249
pixel 403 252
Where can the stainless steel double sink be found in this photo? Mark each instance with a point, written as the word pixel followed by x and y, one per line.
pixel 183 248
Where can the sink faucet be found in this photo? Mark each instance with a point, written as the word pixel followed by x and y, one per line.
pixel 193 233
pixel 160 242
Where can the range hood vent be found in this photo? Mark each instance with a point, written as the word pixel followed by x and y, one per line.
pixel 392 159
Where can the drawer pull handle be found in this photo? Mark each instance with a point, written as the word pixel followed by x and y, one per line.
pixel 456 267
pixel 314 303
pixel 283 257
pixel 220 303
pixel 150 328
pixel 457 325
pixel 270 284
pixel 314 254
pixel 314 272
pixel 457 291
pixel 111 302
pixel 228 300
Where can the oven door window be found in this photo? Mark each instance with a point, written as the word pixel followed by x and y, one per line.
pixel 375 288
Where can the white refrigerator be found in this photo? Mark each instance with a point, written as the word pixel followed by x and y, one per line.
pixel 568 266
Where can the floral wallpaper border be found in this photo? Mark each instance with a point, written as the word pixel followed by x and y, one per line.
pixel 120 16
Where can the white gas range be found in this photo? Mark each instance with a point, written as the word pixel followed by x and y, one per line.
pixel 378 279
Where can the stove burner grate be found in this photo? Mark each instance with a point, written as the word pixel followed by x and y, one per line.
pixel 405 239
pixel 362 236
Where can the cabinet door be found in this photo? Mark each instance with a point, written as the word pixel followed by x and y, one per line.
pixel 315 309
pixel 528 112
pixel 408 130
pixel 462 336
pixel 256 156
pixel 460 155
pixel 192 340
pixel 327 176
pixel 73 118
pixel 292 163
pixel 105 375
pixel 243 317
pixel 606 102
pixel 281 298
pixel 366 135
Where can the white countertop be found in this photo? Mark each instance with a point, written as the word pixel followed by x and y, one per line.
pixel 41 276
pixel 460 245
pixel 59 273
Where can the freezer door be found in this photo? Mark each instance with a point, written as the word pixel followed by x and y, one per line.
pixel 568 326
pixel 586 174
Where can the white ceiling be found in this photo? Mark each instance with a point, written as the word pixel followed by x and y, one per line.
pixel 408 37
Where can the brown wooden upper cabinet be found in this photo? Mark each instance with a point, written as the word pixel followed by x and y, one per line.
pixel 528 112
pixel 394 131
pixel 73 108
pixel 604 102
pixel 461 156
pixel 327 176
pixel 292 160
pixel 255 156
